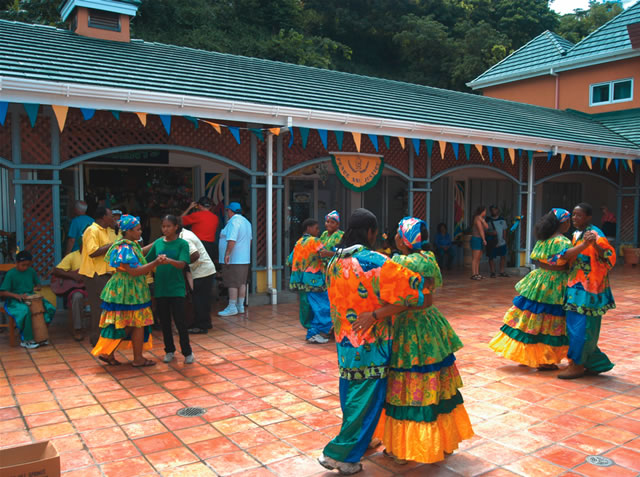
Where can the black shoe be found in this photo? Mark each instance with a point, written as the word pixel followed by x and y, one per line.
pixel 197 331
pixel 493 275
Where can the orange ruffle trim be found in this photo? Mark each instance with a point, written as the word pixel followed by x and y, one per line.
pixel 108 346
pixel 427 442
pixel 532 355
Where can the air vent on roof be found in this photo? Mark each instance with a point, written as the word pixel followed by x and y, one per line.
pixel 634 34
pixel 104 20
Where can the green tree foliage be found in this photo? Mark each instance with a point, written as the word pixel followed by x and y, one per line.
pixel 575 26
pixel 442 43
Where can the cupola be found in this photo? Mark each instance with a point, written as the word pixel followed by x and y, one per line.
pixel 103 19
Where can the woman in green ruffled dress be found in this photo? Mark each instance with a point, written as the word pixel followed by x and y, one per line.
pixel 534 332
pixel 126 317
pixel 425 414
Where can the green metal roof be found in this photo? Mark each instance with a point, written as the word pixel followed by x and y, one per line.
pixel 544 49
pixel 626 123
pixel 549 50
pixel 45 53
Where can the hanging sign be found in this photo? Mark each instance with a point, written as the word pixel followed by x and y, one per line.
pixel 358 172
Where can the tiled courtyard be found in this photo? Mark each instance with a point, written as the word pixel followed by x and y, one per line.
pixel 272 401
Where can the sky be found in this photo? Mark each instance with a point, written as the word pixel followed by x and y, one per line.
pixel 568 6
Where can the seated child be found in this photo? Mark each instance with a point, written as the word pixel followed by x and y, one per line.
pixel 18 283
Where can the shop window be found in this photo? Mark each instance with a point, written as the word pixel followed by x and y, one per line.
pixel 611 92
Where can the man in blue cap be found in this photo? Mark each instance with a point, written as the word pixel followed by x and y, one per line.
pixel 235 256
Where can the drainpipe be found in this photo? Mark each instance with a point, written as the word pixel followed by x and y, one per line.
pixel 530 180
pixel 273 293
pixel 557 99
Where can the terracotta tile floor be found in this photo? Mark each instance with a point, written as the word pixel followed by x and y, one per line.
pixel 272 401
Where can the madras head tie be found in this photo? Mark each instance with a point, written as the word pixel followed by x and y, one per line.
pixel 561 214
pixel 333 215
pixel 127 222
pixel 409 231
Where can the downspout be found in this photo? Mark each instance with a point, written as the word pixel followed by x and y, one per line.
pixel 557 98
pixel 273 293
pixel 530 185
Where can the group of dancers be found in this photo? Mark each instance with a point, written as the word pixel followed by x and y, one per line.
pixel 399 384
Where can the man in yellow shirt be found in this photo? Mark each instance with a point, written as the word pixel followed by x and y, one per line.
pixel 71 288
pixel 96 240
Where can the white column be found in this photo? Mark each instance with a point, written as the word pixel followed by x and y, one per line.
pixel 530 184
pixel 273 293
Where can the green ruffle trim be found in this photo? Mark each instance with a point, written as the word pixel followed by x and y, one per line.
pixel 112 333
pixel 370 372
pixel 526 338
pixel 423 413
pixel 594 312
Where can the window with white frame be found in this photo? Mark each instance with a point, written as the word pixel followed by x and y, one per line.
pixel 611 92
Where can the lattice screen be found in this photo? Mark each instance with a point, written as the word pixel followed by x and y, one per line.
pixel 5 139
pixel 36 141
pixel 38 227
pixel 627 223
pixel 420 205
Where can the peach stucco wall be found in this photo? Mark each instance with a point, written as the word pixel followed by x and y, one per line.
pixel 573 87
pixel 83 28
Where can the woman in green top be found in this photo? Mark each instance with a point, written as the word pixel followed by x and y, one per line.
pixel 170 287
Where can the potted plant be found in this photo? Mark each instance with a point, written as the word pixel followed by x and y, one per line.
pixel 630 253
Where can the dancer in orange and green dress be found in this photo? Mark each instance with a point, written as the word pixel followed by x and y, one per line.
pixel 534 330
pixel 126 317
pixel 365 287
pixel 425 414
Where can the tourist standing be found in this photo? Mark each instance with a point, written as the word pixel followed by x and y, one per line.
pixel 235 254
pixel 77 227
pixel 203 222
pixel 588 297
pixel 478 240
pixel 96 241
pixel 497 232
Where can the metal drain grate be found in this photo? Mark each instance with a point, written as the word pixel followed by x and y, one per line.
pixel 191 411
pixel 599 461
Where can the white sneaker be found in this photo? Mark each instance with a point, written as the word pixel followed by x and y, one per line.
pixel 240 307
pixel 229 311
pixel 344 468
pixel 318 339
pixel 190 359
pixel 29 344
pixel 168 358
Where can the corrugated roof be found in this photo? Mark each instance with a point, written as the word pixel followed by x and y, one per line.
pixel 544 49
pixel 626 123
pixel 44 53
pixel 540 54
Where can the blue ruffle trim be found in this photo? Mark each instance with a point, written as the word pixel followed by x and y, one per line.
pixel 307 278
pixel 122 307
pixel 429 368
pixel 537 308
pixel 578 296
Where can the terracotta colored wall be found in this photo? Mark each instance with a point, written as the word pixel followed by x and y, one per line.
pixel 84 29
pixel 574 87
pixel 540 91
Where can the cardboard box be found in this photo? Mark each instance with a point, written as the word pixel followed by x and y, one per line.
pixel 33 460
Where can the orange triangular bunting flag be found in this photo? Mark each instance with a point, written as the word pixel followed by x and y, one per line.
pixel 479 148
pixel 588 161
pixel 562 158
pixel 61 115
pixel 275 131
pixel 215 126
pixel 356 139
pixel 630 162
pixel 443 148
pixel 609 160
pixel 143 118
pixel 512 155
pixel 401 140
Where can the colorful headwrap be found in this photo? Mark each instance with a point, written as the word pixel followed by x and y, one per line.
pixel 127 222
pixel 333 215
pixel 409 231
pixel 561 214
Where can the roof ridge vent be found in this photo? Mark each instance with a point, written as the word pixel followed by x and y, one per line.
pixel 102 19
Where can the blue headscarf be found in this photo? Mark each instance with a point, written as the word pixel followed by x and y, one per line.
pixel 409 231
pixel 561 214
pixel 128 222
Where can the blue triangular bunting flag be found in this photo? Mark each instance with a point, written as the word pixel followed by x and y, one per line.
pixel 323 137
pixel 339 138
pixel 236 133
pixel 429 147
pixel 549 154
pixel 304 134
pixel 258 133
pixel 116 114
pixel 374 140
pixel 571 159
pixel 501 150
pixel 195 121
pixel 490 152
pixel 4 106
pixel 456 149
pixel 467 150
pixel 530 156
pixel 416 146
pixel 87 113
pixel 387 141
pixel 32 112
pixel 290 137
pixel 624 164
pixel 166 122
pixel 602 160
pixel 615 163
pixel 580 158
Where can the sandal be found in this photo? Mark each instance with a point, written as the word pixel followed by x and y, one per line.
pixel 547 367
pixel 476 277
pixel 395 459
pixel 111 361
pixel 503 274
pixel 147 362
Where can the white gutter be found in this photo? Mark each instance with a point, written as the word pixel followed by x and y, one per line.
pixel 557 66
pixel 19 90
